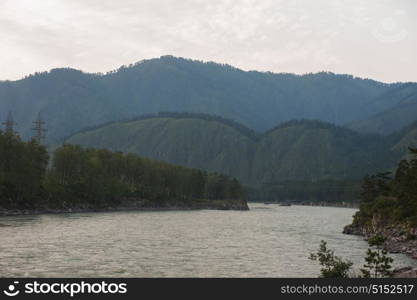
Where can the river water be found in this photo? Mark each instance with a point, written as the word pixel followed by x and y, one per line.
pixel 267 241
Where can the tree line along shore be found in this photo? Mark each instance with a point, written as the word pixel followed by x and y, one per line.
pixel 388 207
pixel 80 179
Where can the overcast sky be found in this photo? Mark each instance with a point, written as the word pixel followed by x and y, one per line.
pixel 374 38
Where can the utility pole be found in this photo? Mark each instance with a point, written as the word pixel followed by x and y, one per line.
pixel 9 124
pixel 38 127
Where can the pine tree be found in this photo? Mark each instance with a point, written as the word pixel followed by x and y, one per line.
pixel 378 263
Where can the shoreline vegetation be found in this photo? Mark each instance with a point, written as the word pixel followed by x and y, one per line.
pixel 136 206
pixel 79 179
pixel 388 208
pixel 142 205
pixel 377 263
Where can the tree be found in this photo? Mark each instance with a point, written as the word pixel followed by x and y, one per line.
pixel 80 177
pixel 333 266
pixel 100 178
pixel 378 264
pixel 22 170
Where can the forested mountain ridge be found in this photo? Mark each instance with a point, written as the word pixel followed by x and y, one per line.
pixel 405 138
pixel 392 119
pixel 295 150
pixel 189 141
pixel 299 159
pixel 70 100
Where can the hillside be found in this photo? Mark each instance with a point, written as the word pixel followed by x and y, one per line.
pixel 188 141
pixel 70 100
pixel 405 138
pixel 393 119
pixel 313 150
pixel 295 150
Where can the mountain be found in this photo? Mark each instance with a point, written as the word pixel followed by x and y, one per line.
pixel 393 119
pixel 204 143
pixel 70 100
pixel 295 150
pixel 314 150
pixel 405 138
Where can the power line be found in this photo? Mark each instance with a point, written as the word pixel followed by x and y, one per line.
pixel 39 129
pixel 9 124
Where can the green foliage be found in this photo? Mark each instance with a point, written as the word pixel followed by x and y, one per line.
pixel 332 265
pixel 101 177
pixel 377 240
pixel 96 178
pixel 378 263
pixel 22 170
pixel 392 199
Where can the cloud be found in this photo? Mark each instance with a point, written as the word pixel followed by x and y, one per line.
pixel 270 35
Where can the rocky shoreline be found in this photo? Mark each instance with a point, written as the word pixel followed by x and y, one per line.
pixel 330 204
pixel 309 203
pixel 131 206
pixel 400 238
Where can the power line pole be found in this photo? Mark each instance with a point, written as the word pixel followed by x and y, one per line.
pixel 9 124
pixel 38 127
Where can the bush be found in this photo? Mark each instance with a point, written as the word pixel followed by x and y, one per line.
pixel 333 266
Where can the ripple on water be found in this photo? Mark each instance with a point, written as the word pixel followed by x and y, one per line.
pixel 267 241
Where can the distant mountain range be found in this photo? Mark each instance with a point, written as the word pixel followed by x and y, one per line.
pixel 296 150
pixel 70 100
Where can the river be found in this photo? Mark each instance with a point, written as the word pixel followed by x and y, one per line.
pixel 267 241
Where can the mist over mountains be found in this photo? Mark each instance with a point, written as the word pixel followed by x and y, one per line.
pixel 70 100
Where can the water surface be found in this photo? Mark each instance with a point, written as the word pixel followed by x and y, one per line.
pixel 267 241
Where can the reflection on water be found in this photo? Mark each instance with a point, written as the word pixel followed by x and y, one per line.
pixel 267 241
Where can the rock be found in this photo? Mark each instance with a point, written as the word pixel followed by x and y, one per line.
pixel 352 229
pixel 400 237
pixel 405 272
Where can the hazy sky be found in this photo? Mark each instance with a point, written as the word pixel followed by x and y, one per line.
pixel 372 38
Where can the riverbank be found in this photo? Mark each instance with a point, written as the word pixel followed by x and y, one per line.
pixel 329 204
pixel 399 238
pixel 307 203
pixel 133 206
